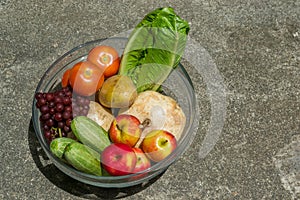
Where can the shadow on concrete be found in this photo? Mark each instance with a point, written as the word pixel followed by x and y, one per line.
pixel 70 185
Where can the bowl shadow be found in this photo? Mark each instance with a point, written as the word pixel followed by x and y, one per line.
pixel 72 186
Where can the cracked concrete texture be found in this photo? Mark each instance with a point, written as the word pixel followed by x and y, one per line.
pixel 255 46
pixel 287 161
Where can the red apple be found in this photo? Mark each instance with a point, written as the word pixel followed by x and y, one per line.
pixel 118 159
pixel 142 162
pixel 125 129
pixel 158 144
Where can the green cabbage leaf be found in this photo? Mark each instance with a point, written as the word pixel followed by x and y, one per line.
pixel 154 48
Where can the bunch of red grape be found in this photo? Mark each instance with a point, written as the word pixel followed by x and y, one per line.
pixel 58 109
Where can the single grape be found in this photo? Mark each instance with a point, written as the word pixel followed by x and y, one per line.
pixel 51 104
pixel 38 95
pixel 68 122
pixel 60 93
pixel 44 109
pixel 46 116
pixel 68 94
pixel 45 127
pixel 58 117
pixel 48 135
pixel 67 100
pixel 64 134
pixel 66 115
pixel 58 99
pixel 59 107
pixel 42 101
pixel 68 109
pixel 49 97
pixel 50 122
pixel 67 129
pixel 52 111
pixel 60 124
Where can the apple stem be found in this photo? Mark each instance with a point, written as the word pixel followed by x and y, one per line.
pixel 143 125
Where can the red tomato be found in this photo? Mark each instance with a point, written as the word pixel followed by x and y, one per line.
pixel 65 78
pixel 86 78
pixel 105 57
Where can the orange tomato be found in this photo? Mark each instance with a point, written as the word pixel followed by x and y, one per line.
pixel 86 78
pixel 65 78
pixel 105 57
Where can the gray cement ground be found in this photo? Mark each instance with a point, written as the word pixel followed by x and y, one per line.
pixel 254 45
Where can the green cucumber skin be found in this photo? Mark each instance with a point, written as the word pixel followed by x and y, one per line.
pixel 90 133
pixel 58 146
pixel 83 158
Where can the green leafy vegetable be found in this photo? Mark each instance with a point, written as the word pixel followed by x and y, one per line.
pixel 154 48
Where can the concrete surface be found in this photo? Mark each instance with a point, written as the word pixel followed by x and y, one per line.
pixel 255 46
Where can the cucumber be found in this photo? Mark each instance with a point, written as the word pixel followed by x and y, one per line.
pixel 90 133
pixel 58 145
pixel 83 158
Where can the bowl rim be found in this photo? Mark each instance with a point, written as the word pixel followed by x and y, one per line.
pixel 154 169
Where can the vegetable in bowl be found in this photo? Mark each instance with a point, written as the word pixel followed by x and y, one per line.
pixel 154 48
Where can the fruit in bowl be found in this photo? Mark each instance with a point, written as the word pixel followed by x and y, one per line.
pixel 125 129
pixel 117 92
pixel 69 104
pixel 158 144
pixel 142 162
pixel 118 159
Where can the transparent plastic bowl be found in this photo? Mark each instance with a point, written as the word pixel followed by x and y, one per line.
pixel 178 86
